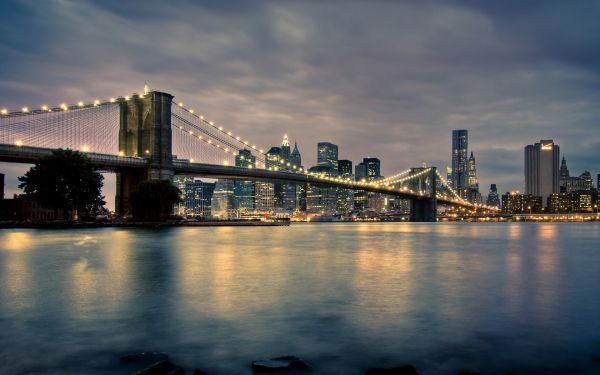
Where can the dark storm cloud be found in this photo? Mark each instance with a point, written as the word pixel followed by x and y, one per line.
pixel 379 78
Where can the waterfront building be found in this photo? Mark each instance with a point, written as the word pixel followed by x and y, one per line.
pixel 559 203
pixel 244 191
pixel 345 197
pixel 198 198
pixel 493 198
pixel 541 169
pixel 321 200
pixel 223 200
pixel 180 182
pixel 460 143
pixel 264 199
pixel 327 155
pixel 516 203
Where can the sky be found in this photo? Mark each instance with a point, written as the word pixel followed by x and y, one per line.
pixel 381 79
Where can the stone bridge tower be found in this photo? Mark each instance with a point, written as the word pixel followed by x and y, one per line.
pixel 145 132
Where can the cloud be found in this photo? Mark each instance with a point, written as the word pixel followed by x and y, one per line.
pixel 379 78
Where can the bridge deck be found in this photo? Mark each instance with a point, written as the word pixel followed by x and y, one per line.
pixel 29 155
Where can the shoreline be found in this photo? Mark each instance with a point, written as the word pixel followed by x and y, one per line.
pixel 146 224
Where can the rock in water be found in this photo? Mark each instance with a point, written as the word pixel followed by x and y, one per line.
pixel 150 357
pixel 402 370
pixel 278 364
pixel 161 368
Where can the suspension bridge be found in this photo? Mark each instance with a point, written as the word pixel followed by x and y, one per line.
pixel 150 136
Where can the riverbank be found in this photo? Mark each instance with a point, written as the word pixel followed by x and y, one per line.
pixel 162 224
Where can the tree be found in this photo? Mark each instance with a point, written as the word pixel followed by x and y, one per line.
pixel 154 199
pixel 66 180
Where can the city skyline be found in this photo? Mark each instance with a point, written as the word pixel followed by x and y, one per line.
pixel 401 101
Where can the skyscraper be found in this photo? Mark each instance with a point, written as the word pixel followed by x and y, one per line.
pixel 345 168
pixel 285 148
pixel 327 155
pixel 345 197
pixel 541 169
pixel 563 176
pixel 493 199
pixel 222 203
pixel 244 190
pixel 198 198
pixel 373 168
pixel 295 157
pixel 473 194
pixel 460 143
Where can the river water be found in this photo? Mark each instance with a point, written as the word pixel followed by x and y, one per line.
pixel 496 298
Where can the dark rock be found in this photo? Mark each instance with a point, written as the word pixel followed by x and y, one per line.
pixel 199 372
pixel 161 368
pixel 285 363
pixel 145 357
pixel 402 370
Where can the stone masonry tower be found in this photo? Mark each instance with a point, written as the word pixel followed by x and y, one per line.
pixel 145 132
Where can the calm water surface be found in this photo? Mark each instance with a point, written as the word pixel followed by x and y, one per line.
pixel 523 298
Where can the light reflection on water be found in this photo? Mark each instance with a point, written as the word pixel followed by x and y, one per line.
pixel 445 297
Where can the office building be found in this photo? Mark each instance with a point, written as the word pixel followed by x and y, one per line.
pixel 223 200
pixel 373 168
pixel 345 168
pixel 460 143
pixel 327 155
pixel 493 199
pixel 198 198
pixel 244 190
pixel 542 169
pixel 473 194
pixel 295 157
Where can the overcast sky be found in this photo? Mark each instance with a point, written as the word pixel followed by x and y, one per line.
pixel 379 78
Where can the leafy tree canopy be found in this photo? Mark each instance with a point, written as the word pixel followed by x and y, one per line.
pixel 154 199
pixel 65 180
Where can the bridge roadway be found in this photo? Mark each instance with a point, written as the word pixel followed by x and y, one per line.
pixel 114 163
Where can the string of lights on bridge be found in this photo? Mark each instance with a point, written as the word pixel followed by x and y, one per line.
pixel 385 184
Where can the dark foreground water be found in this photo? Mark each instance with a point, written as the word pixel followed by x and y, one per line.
pixel 520 298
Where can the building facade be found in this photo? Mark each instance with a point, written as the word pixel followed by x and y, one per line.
pixel 542 169
pixel 460 144
pixel 327 155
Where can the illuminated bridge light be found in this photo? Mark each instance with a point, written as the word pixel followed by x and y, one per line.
pixel 44 107
pixel 85 148
pixel 80 104
pixel 112 100
pixel 25 110
pixel 18 143
pixel 4 111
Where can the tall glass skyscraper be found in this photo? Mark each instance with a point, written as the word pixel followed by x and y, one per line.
pixel 244 190
pixel 327 155
pixel 541 169
pixel 373 168
pixel 460 144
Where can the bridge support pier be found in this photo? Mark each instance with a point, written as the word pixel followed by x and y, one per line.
pixel 144 132
pixel 423 210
